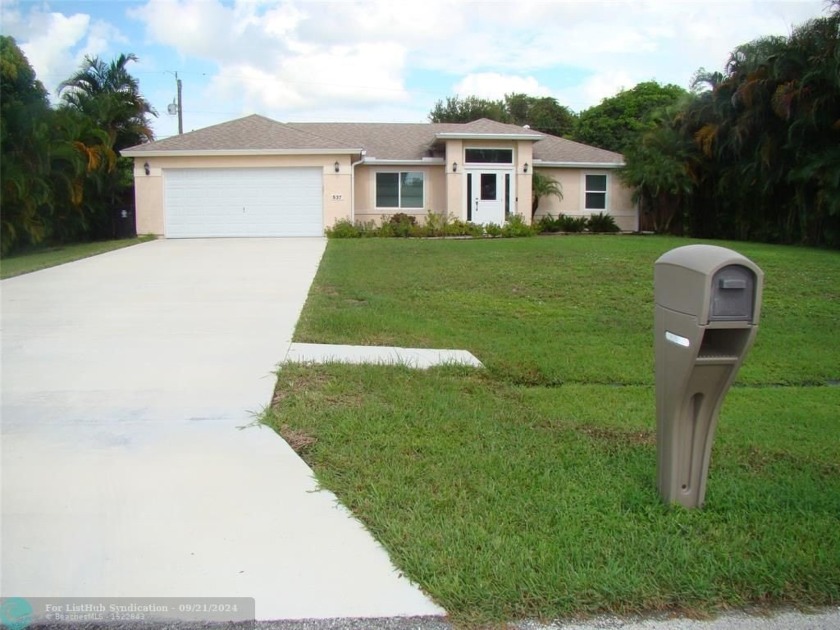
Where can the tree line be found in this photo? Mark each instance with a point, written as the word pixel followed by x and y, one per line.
pixel 610 125
pixel 754 153
pixel 62 178
pixel 750 153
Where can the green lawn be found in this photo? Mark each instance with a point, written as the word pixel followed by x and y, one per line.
pixel 527 490
pixel 44 257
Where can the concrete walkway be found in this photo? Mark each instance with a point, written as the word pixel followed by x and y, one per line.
pixel 125 378
pixel 420 358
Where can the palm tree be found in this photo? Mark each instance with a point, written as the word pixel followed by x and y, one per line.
pixel 111 97
pixel 543 186
pixel 108 97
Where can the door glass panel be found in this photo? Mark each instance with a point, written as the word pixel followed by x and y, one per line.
pixel 469 197
pixel 507 195
pixel 488 187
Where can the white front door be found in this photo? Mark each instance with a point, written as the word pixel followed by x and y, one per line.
pixel 488 195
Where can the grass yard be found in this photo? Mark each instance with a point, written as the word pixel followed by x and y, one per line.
pixel 45 257
pixel 527 490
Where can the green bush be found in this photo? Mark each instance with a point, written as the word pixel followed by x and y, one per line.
pixel 548 223
pixel 463 228
pixel 400 224
pixel 492 229
pixel 602 222
pixel 387 230
pixel 400 218
pixel 572 224
pixel 436 223
pixel 344 228
pixel 516 226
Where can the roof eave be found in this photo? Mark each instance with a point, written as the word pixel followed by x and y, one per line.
pixel 233 152
pixel 545 163
pixel 456 135
pixel 397 162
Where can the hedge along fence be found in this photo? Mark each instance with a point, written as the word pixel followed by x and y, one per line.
pixel 402 225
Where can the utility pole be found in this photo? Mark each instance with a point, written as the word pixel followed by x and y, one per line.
pixel 180 107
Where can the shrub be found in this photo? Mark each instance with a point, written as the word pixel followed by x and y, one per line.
pixel 344 228
pixel 548 223
pixel 387 230
pixel 368 229
pixel 402 217
pixel 400 224
pixel 572 224
pixel 436 223
pixel 463 228
pixel 602 222
pixel 492 229
pixel 475 230
pixel 516 226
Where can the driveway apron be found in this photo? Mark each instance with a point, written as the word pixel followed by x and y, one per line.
pixel 127 379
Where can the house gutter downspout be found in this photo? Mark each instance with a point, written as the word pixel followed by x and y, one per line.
pixel 353 166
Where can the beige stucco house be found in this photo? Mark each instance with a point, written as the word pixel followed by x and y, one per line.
pixel 259 177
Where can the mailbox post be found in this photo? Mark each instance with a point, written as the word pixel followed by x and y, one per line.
pixel 708 301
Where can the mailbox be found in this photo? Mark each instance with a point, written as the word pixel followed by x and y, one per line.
pixel 708 301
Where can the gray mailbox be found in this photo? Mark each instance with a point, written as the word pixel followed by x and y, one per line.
pixel 708 301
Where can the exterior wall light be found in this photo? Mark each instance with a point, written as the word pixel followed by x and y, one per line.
pixel 454 167
pixel 147 168
pixel 336 166
pixel 525 168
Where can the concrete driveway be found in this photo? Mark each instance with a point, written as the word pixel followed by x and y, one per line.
pixel 125 381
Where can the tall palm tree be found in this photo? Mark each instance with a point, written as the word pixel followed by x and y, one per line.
pixel 110 96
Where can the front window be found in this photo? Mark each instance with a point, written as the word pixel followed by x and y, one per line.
pixel 596 192
pixel 399 190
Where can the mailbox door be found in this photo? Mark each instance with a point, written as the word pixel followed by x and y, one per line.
pixel 732 294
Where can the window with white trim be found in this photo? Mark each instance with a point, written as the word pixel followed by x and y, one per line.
pixel 400 189
pixel 595 192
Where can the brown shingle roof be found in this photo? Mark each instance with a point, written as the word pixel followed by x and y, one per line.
pixel 487 126
pixel 252 133
pixel 384 141
pixel 559 150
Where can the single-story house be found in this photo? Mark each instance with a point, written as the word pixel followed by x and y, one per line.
pixel 258 177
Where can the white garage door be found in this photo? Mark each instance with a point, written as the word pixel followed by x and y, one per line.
pixel 243 202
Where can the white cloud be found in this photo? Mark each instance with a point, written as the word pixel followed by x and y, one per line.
pixel 350 75
pixel 598 87
pixel 493 85
pixel 265 63
pixel 364 60
pixel 56 44
pixel 205 29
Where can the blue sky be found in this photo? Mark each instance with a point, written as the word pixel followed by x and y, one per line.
pixel 382 60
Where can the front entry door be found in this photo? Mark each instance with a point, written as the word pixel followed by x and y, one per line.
pixel 487 196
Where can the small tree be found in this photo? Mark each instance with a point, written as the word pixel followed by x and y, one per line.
pixel 543 186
